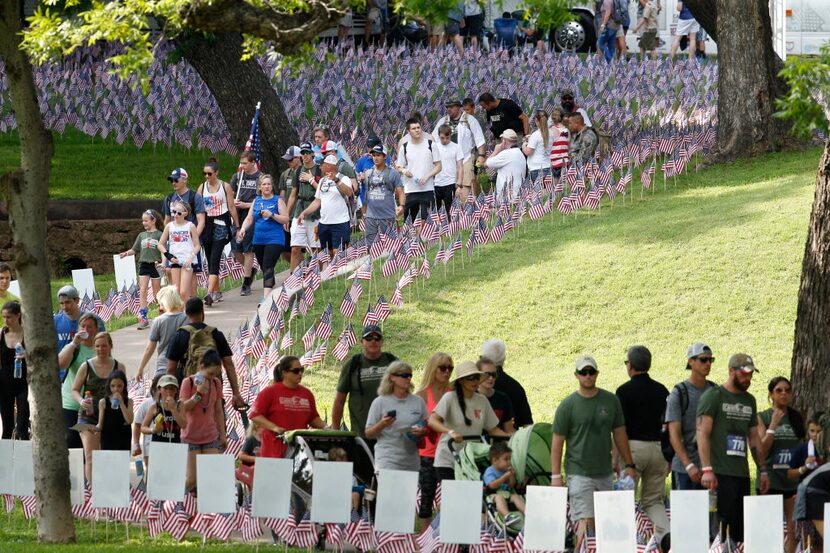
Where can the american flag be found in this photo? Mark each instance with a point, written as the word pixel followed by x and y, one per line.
pixel 154 519
pixel 356 291
pixel 382 309
pixel 282 527
pixel 177 523
pixel 319 353
pixel 371 317
pixel 341 347
pixel 249 526
pixel 397 298
pixel 347 306
pixel 223 525
pixel 335 533
pixel 324 329
pixel 253 142
pixel 309 336
pixel 294 280
pixel 305 534
pixel 646 176
pixel 287 341
pixel 365 271
pixel 424 271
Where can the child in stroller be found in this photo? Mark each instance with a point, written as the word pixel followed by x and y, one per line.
pixel 500 482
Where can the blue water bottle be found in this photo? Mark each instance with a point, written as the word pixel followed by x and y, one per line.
pixel 19 352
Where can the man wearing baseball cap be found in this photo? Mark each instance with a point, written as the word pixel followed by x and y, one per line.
pixel 586 420
pixel 66 320
pixel 293 157
pixel 304 186
pixel 359 381
pixel 681 417
pixel 510 164
pixel 345 168
pixel 727 417
pixel 383 187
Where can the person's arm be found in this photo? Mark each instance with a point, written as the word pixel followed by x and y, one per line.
pixel 246 458
pixel 676 439
pixel 194 235
pixel 78 383
pixel 497 432
pixel 337 410
pixel 399 193
pixel 127 411
pixel 556 448
pixel 436 168
pixel 190 397
pixel 436 422
pixel 145 358
pixel 200 223
pixel 282 213
pixel 345 189
pixel 505 478
pixel 165 235
pixel 148 419
pixel 292 199
pixel 459 169
pixel 621 443
pixel 525 123
pixel 374 430
pixel 231 205
pixel 247 224
pixel 267 425
pixel 312 207
pixel 68 352
pixel 102 406
pixel 509 427
pixel 230 370
pixel 179 414
pixel 137 438
pixel 704 449
pixel 219 417
pixel 760 460
pixel 766 435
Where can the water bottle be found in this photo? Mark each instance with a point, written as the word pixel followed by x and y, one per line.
pixel 115 403
pixel 713 501
pixel 139 467
pixel 90 409
pixel 199 379
pixel 19 352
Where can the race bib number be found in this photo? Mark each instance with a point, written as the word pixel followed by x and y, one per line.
pixel 781 459
pixel 736 445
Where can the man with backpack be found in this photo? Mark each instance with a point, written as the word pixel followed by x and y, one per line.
pixel 418 162
pixel 192 340
pixel 359 381
pixel 467 133
pixel 681 417
pixel 383 187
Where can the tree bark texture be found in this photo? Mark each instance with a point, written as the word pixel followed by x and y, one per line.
pixel 811 347
pixel 237 86
pixel 747 76
pixel 26 194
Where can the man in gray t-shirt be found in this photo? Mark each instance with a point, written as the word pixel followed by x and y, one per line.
pixel 383 187
pixel 681 417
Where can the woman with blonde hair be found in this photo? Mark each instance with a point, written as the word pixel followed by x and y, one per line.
pixel 162 329
pixel 537 149
pixel 397 420
pixel 434 384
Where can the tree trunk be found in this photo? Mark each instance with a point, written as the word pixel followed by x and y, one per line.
pixel 747 77
pixel 26 194
pixel 237 86
pixel 811 348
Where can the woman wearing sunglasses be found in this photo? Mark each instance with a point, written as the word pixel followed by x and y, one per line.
pixel 284 405
pixel 434 384
pixel 397 420
pixel 461 415
pixel 499 401
pixel 179 243
pixel 219 214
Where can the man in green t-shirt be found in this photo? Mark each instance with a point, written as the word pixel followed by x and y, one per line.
pixel 586 420
pixel 5 282
pixel 727 417
pixel 359 381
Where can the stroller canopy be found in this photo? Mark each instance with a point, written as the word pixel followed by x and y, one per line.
pixel 531 453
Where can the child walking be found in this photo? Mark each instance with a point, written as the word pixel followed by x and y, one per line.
pixel 149 257
pixel 115 414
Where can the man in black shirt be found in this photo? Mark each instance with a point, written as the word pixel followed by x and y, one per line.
pixel 243 184
pixel 495 350
pixel 177 350
pixel 644 404
pixel 504 114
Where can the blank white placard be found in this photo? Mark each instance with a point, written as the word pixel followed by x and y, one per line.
pixel 165 479
pixel 84 282
pixel 460 511
pixel 397 490
pixel 545 518
pixel 14 288
pixel 125 275
pixel 616 527
pixel 690 521
pixel 763 523
pixel 76 476
pixel 24 477
pixel 7 462
pixel 272 487
pixel 331 492
pixel 216 483
pixel 110 479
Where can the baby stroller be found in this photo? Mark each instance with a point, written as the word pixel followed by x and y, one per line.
pixel 530 461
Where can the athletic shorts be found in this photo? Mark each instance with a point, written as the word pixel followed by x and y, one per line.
pixel 246 246
pixel 334 236
pixel 474 24
pixel 148 269
pixel 452 27
pixel 687 27
pixel 303 236
pixel 581 494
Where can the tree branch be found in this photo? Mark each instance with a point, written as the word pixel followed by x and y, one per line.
pixel 285 30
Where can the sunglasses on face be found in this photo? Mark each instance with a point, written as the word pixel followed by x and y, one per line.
pixel 179 212
pixel 373 339
pixel 445 368
pixel 208 174
pixel 706 359
pixel 587 372
pixel 404 375
pixel 488 374
pixel 296 370
pixel 472 378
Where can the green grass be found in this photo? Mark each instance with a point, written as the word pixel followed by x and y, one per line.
pixel 716 258
pixel 92 168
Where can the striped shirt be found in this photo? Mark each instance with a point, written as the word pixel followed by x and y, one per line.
pixel 559 148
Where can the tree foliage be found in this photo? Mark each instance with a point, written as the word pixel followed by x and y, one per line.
pixel 808 102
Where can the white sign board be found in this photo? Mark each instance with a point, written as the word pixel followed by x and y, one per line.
pixel 24 477
pixel 14 288
pixel 272 488
pixel 763 524
pixel 7 462
pixel 616 524
pixel 84 282
pixel 331 493
pixel 397 490
pixel 76 476
pixel 216 483
pixel 545 518
pixel 110 479
pixel 165 480
pixel 125 274
pixel 460 511
pixel 690 521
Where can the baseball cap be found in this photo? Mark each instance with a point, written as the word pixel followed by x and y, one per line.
pixel 452 103
pixel 378 149
pixel 69 292
pixel 696 349
pixel 330 159
pixel 586 361
pixel 639 357
pixel 329 146
pixel 372 141
pixel 291 153
pixel 368 330
pixel 306 147
pixel 567 94
pixel 510 134
pixel 177 174
pixel 168 380
pixel 743 363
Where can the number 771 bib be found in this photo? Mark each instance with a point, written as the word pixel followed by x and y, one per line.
pixel 736 445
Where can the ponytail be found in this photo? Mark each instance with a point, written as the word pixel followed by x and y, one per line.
pixel 542 121
pixel 459 393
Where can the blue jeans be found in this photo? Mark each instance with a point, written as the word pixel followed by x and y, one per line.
pixel 608 43
pixel 682 481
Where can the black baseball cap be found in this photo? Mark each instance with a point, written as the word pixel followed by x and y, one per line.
pixel 306 148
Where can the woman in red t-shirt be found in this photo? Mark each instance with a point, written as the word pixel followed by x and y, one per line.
pixel 284 405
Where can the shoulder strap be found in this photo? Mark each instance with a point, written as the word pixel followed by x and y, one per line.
pixel 684 398
pixel 354 367
pixel 429 145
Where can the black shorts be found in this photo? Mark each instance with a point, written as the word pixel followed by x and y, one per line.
pixel 473 25
pixel 731 493
pixel 786 493
pixel 148 269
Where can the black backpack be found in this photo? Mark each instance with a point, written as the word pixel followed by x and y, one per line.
pixel 665 442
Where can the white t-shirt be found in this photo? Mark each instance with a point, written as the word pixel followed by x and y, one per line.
pixel 511 166
pixel 333 207
pixel 470 135
pixel 419 161
pixel 540 158
pixel 481 415
pixel 450 154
